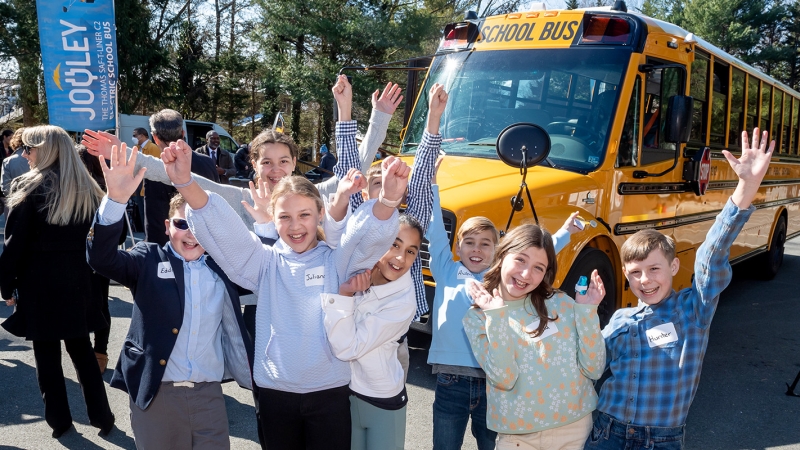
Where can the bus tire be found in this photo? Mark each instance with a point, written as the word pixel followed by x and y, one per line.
pixel 588 260
pixel 772 260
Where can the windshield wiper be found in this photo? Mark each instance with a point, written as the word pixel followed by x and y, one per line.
pixel 482 144
pixel 410 144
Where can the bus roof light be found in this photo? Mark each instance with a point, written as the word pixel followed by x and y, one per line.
pixel 605 30
pixel 459 35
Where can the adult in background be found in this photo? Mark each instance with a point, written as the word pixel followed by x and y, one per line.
pixel 167 126
pixel 16 164
pixel 326 163
pixel 44 260
pixel 222 159
pixel 6 150
pixel 141 139
pixel 244 166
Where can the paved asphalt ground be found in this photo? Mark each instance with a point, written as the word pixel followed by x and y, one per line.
pixel 754 350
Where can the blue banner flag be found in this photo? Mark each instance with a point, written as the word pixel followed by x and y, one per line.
pixel 79 55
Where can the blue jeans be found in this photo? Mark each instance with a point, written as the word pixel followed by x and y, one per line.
pixel 458 397
pixel 611 434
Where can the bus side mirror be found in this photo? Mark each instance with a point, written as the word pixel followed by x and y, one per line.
pixel 678 125
pixel 523 145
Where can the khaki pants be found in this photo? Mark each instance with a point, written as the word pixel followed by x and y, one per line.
pixel 568 437
pixel 182 417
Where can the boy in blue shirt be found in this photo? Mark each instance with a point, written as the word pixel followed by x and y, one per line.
pixel 655 350
pixel 186 335
pixel 460 381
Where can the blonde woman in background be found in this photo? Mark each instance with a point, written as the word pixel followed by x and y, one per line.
pixel 44 264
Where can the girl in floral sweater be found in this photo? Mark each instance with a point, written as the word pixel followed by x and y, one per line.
pixel 540 349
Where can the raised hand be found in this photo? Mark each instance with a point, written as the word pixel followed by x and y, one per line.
pixel 389 99
pixel 177 160
pixel 99 142
pixel 482 298
pixel 753 164
pixel 261 198
pixel 751 167
pixel 357 283
pixel 352 183
pixel 121 182
pixel 436 104
pixel 395 178
pixel 569 224
pixel 343 94
pixel 594 295
pixel 11 301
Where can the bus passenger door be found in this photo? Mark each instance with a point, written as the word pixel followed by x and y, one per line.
pixel 649 202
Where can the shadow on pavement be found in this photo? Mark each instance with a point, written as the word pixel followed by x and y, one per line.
pixel 753 351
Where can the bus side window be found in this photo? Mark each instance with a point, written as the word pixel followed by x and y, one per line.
pixel 698 89
pixel 737 108
pixel 628 152
pixel 660 85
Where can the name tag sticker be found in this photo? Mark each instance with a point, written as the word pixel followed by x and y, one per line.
pixel 549 330
pixel 465 274
pixel 315 276
pixel 662 334
pixel 165 270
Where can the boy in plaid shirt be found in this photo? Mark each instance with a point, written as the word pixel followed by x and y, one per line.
pixel 655 350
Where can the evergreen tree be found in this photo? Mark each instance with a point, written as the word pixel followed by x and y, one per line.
pixel 573 4
pixel 19 40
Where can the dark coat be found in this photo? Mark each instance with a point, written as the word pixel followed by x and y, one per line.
pixel 157 196
pixel 157 316
pixel 244 167
pixel 58 296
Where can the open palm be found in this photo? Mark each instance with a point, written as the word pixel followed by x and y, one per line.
pixel 755 158
pixel 121 182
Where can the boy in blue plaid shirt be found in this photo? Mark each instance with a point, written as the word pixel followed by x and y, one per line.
pixel 655 350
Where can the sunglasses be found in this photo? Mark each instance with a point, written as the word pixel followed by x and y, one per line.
pixel 180 224
pixel 26 149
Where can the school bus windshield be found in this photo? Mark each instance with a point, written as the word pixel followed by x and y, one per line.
pixel 570 92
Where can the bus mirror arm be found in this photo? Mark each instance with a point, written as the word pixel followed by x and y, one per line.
pixel 639 174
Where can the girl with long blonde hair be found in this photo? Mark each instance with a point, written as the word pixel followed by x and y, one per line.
pixel 44 265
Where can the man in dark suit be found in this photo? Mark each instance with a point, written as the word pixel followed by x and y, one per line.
pixel 187 333
pixel 224 165
pixel 167 126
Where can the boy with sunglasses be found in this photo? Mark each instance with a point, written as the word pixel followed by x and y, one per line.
pixel 187 333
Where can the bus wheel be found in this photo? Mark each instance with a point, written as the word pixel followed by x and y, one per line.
pixel 773 258
pixel 588 260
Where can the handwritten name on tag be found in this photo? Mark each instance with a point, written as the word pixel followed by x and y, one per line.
pixel 465 274
pixel 549 330
pixel 315 276
pixel 662 334
pixel 165 270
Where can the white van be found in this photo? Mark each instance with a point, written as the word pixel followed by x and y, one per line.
pixel 195 131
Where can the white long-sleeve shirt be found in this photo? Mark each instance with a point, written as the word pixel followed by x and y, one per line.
pixel 364 330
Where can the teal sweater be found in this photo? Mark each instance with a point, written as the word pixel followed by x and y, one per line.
pixel 535 384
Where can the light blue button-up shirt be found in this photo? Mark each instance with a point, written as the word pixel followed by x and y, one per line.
pixel 197 354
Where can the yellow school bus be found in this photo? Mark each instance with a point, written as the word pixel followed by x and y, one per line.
pixel 600 81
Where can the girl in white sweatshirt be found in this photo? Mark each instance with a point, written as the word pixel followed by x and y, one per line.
pixel 364 323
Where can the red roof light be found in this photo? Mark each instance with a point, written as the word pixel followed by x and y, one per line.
pixel 605 30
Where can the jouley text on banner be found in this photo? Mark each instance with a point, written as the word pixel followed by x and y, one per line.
pixel 79 54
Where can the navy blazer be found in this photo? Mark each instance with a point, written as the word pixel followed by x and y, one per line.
pixel 158 302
